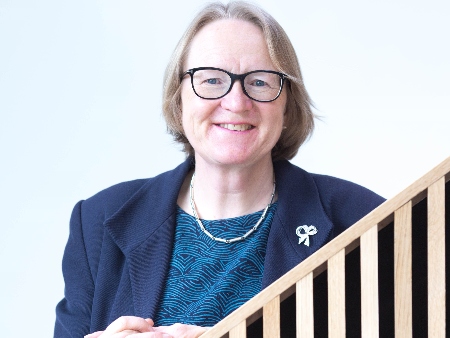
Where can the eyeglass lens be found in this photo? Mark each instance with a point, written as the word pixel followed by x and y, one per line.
pixel 213 83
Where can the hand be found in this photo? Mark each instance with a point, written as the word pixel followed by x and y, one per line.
pixel 129 326
pixel 181 330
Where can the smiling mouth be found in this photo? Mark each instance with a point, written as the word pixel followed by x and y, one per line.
pixel 237 127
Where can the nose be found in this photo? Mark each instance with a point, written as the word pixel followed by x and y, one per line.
pixel 236 100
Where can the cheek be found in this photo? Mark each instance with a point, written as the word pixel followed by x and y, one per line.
pixel 185 97
pixel 283 110
pixel 187 108
pixel 194 111
pixel 281 115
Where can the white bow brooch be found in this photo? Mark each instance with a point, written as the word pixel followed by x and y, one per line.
pixel 307 231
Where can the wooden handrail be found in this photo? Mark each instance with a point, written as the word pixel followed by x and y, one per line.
pixel 332 255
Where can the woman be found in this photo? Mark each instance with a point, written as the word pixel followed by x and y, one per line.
pixel 189 246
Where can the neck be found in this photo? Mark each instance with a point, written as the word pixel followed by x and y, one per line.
pixel 224 192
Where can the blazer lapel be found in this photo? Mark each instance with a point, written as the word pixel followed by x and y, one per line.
pixel 298 205
pixel 143 228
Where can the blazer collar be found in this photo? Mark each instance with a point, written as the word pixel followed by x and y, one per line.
pixel 299 204
pixel 143 228
pixel 144 213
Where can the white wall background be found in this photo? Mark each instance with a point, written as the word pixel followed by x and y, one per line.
pixel 80 88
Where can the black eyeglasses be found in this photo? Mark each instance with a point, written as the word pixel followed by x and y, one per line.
pixel 213 83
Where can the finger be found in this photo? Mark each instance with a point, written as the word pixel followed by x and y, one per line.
pixel 103 334
pixel 128 323
pixel 94 334
pixel 182 330
pixel 150 335
pixel 161 328
pixel 150 321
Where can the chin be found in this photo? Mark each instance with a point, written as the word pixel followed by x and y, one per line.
pixel 239 158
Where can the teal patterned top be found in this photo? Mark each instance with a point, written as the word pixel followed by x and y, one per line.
pixel 207 280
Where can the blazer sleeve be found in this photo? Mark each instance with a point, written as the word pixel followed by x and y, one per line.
pixel 73 312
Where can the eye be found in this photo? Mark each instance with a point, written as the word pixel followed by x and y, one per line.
pixel 259 83
pixel 262 81
pixel 212 81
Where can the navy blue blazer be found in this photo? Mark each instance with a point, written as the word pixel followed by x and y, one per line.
pixel 120 243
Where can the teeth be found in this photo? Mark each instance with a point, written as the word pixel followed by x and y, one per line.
pixel 236 127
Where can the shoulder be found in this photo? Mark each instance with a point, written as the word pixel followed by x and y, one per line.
pixel 343 202
pixel 89 216
pixel 332 187
pixel 127 199
pixel 108 201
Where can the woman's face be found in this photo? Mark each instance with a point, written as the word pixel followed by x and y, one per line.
pixel 232 130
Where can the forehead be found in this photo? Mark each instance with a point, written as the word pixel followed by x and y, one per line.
pixel 234 45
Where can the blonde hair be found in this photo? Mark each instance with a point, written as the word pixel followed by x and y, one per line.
pixel 298 119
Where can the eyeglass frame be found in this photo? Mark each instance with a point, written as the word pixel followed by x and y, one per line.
pixel 235 77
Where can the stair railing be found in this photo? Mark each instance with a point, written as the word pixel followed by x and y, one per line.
pixel 396 211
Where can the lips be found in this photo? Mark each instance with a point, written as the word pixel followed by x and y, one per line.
pixel 236 127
